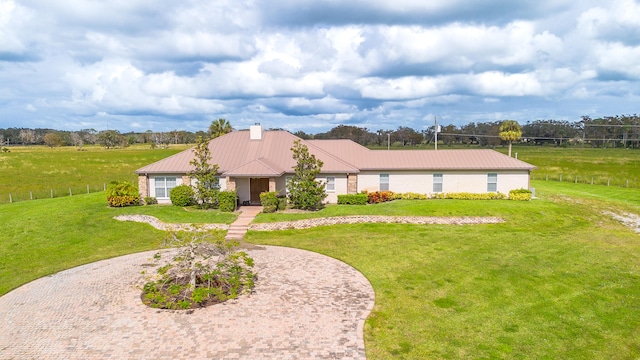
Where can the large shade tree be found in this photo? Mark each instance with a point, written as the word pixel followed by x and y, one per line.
pixel 219 127
pixel 510 131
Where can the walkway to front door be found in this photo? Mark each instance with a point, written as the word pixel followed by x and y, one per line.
pixel 238 228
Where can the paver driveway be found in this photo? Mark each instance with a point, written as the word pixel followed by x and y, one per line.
pixel 305 306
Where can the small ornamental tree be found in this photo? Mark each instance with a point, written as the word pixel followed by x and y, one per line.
pixel 510 131
pixel 304 191
pixel 207 185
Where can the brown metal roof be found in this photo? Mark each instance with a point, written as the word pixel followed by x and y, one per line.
pixel 366 159
pixel 237 155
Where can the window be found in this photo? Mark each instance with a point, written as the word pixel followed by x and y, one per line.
pixel 384 182
pixel 287 182
pixel 164 184
pixel 331 183
pixel 215 183
pixel 437 183
pixel 492 182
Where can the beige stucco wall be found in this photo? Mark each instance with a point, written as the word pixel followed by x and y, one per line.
pixel 243 188
pixel 453 181
pixel 152 187
pixel 340 188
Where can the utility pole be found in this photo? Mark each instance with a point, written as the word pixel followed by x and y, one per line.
pixel 435 130
pixel 388 141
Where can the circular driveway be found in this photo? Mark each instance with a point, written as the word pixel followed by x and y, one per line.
pixel 305 306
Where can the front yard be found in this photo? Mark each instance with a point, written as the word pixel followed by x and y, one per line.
pixel 557 279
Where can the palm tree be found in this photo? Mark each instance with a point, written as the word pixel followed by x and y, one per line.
pixel 219 127
pixel 510 131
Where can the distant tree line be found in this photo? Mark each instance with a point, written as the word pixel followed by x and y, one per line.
pixel 106 138
pixel 609 131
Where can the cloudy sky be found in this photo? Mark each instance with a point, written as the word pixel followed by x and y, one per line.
pixel 312 65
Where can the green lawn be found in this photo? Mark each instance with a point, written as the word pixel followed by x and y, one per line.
pixel 556 280
pixel 41 237
pixel 39 170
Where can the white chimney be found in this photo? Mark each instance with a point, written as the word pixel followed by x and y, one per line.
pixel 255 132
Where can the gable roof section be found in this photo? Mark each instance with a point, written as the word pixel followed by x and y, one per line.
pixel 237 155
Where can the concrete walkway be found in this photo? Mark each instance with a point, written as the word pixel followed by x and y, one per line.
pixel 305 306
pixel 238 229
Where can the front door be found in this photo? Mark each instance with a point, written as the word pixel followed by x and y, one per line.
pixel 258 186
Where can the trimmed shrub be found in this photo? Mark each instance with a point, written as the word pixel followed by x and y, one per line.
pixel 352 199
pixel 282 202
pixel 269 201
pixel 122 193
pixel 227 201
pixel 380 197
pixel 470 196
pixel 410 196
pixel 150 200
pixel 520 195
pixel 182 195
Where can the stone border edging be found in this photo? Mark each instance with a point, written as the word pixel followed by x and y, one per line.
pixel 161 225
pixel 310 223
pixel 359 219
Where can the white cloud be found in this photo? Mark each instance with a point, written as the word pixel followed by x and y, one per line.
pixel 311 64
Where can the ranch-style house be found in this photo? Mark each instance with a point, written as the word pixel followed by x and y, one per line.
pixel 258 160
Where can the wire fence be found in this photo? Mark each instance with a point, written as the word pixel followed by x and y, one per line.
pixel 50 193
pixel 587 179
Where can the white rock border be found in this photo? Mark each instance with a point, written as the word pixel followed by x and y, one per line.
pixel 161 225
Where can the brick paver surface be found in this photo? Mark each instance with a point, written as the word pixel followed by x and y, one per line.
pixel 305 306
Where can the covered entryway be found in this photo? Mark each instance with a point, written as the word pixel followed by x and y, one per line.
pixel 258 186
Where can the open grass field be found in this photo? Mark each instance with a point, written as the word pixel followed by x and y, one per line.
pixel 557 280
pixel 38 170
pixel 600 165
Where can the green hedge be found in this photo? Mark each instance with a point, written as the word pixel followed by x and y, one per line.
pixel 352 199
pixel 182 195
pixel 520 195
pixel 410 196
pixel 470 196
pixel 227 201
pixel 269 201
